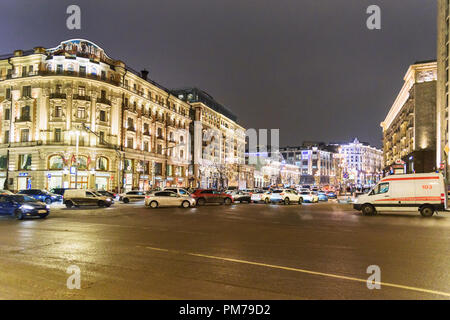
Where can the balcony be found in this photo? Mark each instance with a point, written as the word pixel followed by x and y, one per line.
pixel 104 101
pixel 132 129
pixel 80 97
pixel 24 119
pixel 57 95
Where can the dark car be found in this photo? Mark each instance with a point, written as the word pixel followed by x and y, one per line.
pixel 203 196
pixel 322 196
pixel 107 194
pixel 42 195
pixel 22 206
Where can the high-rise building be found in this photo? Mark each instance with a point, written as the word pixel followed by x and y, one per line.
pixel 409 130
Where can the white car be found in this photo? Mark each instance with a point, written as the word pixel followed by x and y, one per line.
pixel 309 196
pixel 180 191
pixel 260 196
pixel 168 199
pixel 132 196
pixel 286 196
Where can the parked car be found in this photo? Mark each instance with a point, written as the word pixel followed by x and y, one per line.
pixel 81 197
pixel 180 191
pixel 132 196
pixel 331 195
pixel 260 196
pixel 41 195
pixel 203 196
pixel 59 191
pixel 107 194
pixel 240 196
pixel 309 196
pixel 168 198
pixel 6 192
pixel 22 206
pixel 286 196
pixel 322 196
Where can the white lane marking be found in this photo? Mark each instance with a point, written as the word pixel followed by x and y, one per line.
pixel 323 274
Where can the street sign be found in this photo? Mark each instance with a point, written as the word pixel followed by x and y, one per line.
pixel 73 170
pixel 345 175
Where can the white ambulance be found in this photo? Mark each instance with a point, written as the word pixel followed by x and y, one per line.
pixel 425 192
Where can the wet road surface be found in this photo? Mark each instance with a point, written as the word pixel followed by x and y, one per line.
pixel 242 251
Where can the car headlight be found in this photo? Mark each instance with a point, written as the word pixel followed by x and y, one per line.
pixel 27 207
pixel 108 199
pixel 47 206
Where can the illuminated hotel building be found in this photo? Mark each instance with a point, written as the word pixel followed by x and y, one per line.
pixel 409 130
pixel 74 107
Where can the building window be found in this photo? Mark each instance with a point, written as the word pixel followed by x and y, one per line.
pixel 181 154
pixel 58 135
pixel 130 124
pixel 6 138
pixel 159 149
pixel 81 113
pixel 55 163
pixel 7 114
pixel 159 135
pixel 130 143
pixel 102 115
pixel 26 91
pixel 82 71
pixel 3 164
pixel 8 93
pixel 25 162
pixel 59 68
pixel 158 169
pixel 146 146
pixel 82 91
pixel 102 164
pixel 146 128
pixel 25 113
pixel 101 137
pixel 24 135
pixel 58 112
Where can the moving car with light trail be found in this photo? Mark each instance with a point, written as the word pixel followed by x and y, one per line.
pixel 425 192
pixel 132 196
pixel 22 206
pixel 41 195
pixel 240 196
pixel 80 197
pixel 204 196
pixel 168 199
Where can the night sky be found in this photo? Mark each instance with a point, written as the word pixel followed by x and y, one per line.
pixel 308 67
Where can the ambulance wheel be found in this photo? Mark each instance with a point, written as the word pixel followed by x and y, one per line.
pixel 427 211
pixel 368 210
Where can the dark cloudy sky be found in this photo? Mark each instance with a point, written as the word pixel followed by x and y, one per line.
pixel 308 67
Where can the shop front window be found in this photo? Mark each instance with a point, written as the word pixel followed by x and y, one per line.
pixel 102 164
pixel 82 163
pixel 25 162
pixel 56 163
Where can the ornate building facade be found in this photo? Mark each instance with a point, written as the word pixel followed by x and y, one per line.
pixel 71 116
pixel 409 130
pixel 218 143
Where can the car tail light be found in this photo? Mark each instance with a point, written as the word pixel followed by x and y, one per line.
pixel 282 194
pixel 147 197
pixel 442 198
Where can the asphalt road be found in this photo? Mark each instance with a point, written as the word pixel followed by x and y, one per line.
pixel 255 251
